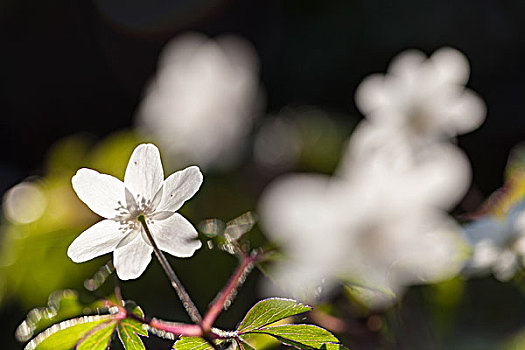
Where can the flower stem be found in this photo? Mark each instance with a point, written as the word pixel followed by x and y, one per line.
pixel 177 329
pixel 188 304
pixel 226 295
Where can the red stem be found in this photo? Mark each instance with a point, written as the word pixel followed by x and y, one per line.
pixel 227 293
pixel 178 329
pixel 203 329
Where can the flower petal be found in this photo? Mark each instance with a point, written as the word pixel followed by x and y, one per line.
pixel 132 259
pixel 450 65
pixel 407 65
pixel 97 240
pixel 176 236
pixel 144 173
pixel 102 193
pixel 179 187
pixel 373 94
pixel 465 111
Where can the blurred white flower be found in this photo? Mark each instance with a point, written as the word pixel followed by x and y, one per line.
pixel 378 223
pixel 437 174
pixel 144 192
pixel 381 222
pixel 498 243
pixel 297 212
pixel 424 98
pixel 201 104
pixel 24 203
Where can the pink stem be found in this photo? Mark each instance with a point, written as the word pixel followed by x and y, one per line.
pixel 227 293
pixel 178 329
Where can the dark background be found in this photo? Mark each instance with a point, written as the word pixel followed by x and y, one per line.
pixel 70 66
pixel 81 66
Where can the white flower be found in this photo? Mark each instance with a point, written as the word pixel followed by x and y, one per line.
pixel 437 174
pixel 423 98
pixel 498 243
pixel 143 192
pixel 379 223
pixel 205 90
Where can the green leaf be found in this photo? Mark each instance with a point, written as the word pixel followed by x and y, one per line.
pixel 191 343
pixel 62 305
pixel 129 330
pixel 269 311
pixel 197 343
pixel 98 338
pixel 260 341
pixel 92 333
pixel 65 335
pixel 245 346
pixel 302 336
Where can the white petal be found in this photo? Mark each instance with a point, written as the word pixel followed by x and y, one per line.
pixel 102 193
pixel 297 205
pixel 175 236
pixel 441 176
pixel 485 255
pixel 407 65
pixel 506 265
pixel 97 240
pixel 179 187
pixel 144 173
pixel 451 66
pixel 372 94
pixel 132 259
pixel 294 280
pixel 466 112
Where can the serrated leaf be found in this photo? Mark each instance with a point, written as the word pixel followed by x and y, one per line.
pixel 245 346
pixel 260 341
pixel 191 343
pixel 269 311
pixel 98 338
pixel 302 336
pixel 66 334
pixel 62 305
pixel 129 330
pixel 195 343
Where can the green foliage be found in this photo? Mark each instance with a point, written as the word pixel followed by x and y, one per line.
pixel 259 318
pixel 243 345
pixel 129 330
pixel 65 335
pixel 191 343
pixel 197 343
pixel 260 341
pixel 62 305
pixel 91 332
pixel 257 322
pixel 302 336
pixel 269 311
pixel 98 338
